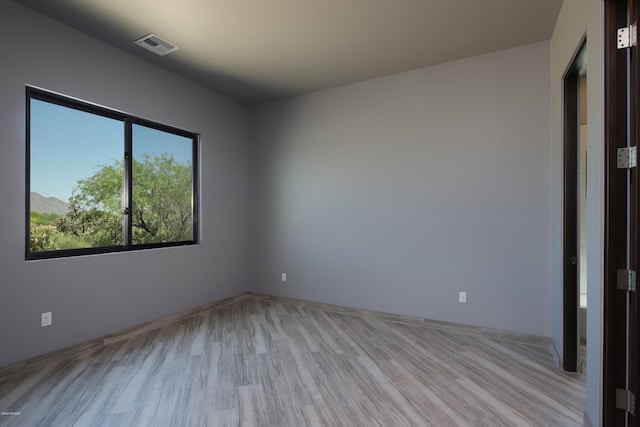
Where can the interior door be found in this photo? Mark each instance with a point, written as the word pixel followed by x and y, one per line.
pixel 631 296
pixel 621 374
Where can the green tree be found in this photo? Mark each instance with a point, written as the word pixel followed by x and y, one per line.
pixel 43 218
pixel 161 208
pixel 162 194
pixel 91 227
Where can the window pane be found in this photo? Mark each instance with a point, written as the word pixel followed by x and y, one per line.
pixel 162 187
pixel 76 178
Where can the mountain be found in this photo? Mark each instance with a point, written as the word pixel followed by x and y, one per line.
pixel 42 204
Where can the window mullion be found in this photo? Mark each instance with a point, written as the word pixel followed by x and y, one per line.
pixel 128 182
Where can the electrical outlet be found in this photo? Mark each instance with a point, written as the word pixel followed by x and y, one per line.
pixel 462 297
pixel 46 319
pixel 284 277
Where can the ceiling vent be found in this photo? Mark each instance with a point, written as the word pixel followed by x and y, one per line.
pixel 156 45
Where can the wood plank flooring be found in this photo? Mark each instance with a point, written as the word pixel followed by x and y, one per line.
pixel 267 361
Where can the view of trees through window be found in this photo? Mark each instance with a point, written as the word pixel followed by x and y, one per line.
pixel 79 186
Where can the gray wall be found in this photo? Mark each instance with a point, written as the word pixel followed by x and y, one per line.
pixel 95 295
pixel 395 194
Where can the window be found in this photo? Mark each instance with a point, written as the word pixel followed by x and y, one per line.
pixel 99 180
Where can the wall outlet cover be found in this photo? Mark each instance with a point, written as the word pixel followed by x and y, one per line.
pixel 46 319
pixel 462 297
pixel 284 277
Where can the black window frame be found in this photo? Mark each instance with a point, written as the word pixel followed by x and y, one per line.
pixel 129 121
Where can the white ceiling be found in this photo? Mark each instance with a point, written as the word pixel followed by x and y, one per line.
pixel 257 50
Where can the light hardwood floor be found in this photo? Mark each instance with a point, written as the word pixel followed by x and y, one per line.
pixel 265 361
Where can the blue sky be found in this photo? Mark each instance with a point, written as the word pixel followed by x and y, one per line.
pixel 68 145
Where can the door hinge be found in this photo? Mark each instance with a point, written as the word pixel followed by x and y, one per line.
pixel 626 158
pixel 626 401
pixel 627 36
pixel 626 280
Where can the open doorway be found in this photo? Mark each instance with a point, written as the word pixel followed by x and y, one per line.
pixel 582 217
pixel 574 277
